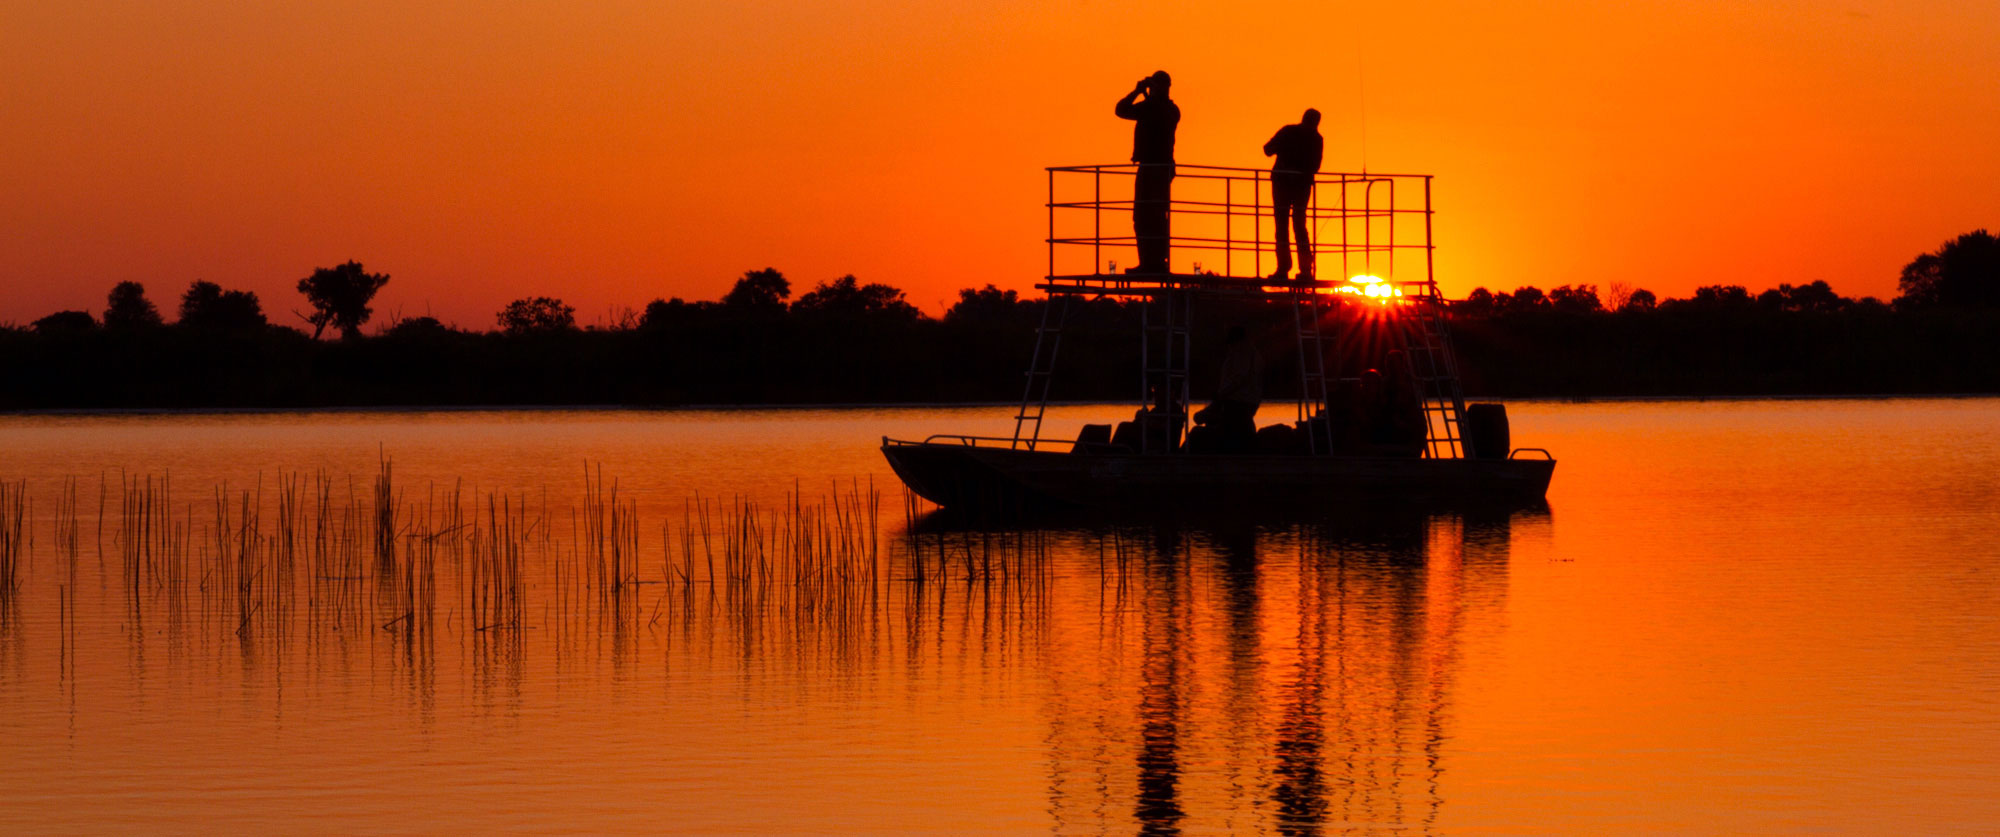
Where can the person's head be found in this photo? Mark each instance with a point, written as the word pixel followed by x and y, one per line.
pixel 1158 82
pixel 1235 335
pixel 1311 119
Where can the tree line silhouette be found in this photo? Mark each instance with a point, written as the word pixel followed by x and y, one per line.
pixel 845 341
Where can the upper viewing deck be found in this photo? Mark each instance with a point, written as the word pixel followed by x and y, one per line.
pixel 1370 234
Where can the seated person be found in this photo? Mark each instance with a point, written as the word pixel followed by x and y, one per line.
pixel 1408 429
pixel 1233 413
pixel 1159 422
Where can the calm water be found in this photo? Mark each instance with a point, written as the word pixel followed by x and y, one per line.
pixel 1733 617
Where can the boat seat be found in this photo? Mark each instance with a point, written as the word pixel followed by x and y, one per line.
pixel 1094 438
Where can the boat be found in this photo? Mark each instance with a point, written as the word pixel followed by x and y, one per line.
pixel 1381 315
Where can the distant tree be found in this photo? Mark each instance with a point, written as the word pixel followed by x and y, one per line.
pixel 1617 295
pixel 537 314
pixel 847 297
pixel 208 307
pixel 1640 300
pixel 1528 298
pixel 65 322
pixel 127 307
pixel 1479 302
pixel 339 297
pixel 759 290
pixel 983 305
pixel 662 314
pixel 1721 296
pixel 1575 299
pixel 1816 297
pixel 622 318
pixel 1963 273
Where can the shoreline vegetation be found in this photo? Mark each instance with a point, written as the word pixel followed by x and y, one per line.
pixel 96 412
pixel 855 344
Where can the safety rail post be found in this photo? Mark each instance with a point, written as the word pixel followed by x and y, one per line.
pixel 1052 222
pixel 1312 214
pixel 1257 227
pixel 1392 226
pixel 1346 264
pixel 1096 217
pixel 1430 249
pixel 1368 226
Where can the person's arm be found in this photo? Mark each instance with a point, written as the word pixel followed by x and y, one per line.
pixel 1127 107
pixel 1271 147
pixel 1318 151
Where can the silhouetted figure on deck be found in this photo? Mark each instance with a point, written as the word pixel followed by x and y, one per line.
pixel 1231 419
pixel 1407 424
pixel 1156 427
pixel 1153 149
pixel 1298 149
pixel 1393 409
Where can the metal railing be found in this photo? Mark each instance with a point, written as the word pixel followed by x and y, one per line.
pixel 1222 223
pixel 964 440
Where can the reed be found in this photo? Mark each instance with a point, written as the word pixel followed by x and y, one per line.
pixel 610 536
pixel 812 568
pixel 68 529
pixel 153 546
pixel 386 506
pixel 13 523
pixel 435 528
pixel 495 590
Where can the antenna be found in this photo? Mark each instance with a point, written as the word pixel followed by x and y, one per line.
pixel 1361 83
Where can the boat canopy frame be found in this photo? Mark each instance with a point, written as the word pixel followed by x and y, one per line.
pixel 1377 228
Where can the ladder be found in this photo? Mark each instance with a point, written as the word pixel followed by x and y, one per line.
pixel 1312 370
pixel 1041 369
pixel 1163 363
pixel 1435 369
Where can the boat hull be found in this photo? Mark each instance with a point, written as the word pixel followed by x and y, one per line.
pixel 1004 480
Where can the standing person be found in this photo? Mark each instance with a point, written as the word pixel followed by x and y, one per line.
pixel 1153 149
pixel 1298 149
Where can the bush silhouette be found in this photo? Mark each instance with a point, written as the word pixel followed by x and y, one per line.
pixel 207 307
pixel 65 322
pixel 127 307
pixel 537 314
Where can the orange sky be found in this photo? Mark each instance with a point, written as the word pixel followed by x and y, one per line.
pixel 613 152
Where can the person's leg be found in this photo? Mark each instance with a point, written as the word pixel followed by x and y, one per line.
pixel 1166 230
pixel 1281 205
pixel 1150 196
pixel 1141 215
pixel 1301 207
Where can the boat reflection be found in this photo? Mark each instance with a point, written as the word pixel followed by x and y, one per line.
pixel 1293 678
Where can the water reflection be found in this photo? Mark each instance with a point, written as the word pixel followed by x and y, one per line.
pixel 1292 678
pixel 1234 675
